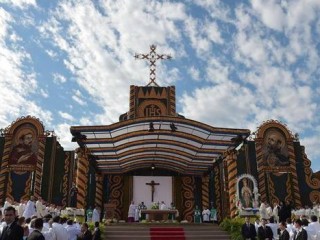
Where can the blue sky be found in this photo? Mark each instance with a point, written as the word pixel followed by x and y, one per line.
pixel 235 63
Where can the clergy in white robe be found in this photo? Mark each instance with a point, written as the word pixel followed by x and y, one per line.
pixel 263 211
pixel 206 215
pixel 21 208
pixel 163 206
pixel 96 215
pixel 39 208
pixel 30 209
pixel 131 212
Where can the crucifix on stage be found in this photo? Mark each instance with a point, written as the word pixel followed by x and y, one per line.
pixel 152 184
pixel 152 57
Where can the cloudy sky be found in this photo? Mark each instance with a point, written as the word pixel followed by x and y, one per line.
pixel 235 63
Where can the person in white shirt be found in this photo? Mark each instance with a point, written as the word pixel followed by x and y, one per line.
pixel 273 226
pixel 72 230
pixel 60 232
pixel 290 228
pixel 7 203
pixel 206 214
pixel 48 232
pixel 314 228
pixel 96 215
pixel 30 209
pixel 257 224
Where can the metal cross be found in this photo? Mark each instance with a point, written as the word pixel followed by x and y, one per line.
pixel 152 57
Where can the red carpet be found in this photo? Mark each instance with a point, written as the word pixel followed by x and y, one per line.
pixel 167 233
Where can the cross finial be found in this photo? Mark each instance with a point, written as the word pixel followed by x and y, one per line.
pixel 152 57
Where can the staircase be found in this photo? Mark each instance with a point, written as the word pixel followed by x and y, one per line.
pixel 141 231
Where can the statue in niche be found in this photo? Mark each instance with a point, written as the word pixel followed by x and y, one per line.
pixel 246 195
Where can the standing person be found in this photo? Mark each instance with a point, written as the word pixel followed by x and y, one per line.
pixel 89 214
pixel 213 214
pixel 72 230
pixel 197 215
pixel 96 233
pixel 30 208
pixel 73 195
pixel 282 212
pixel 248 230
pixel 300 233
pixel 284 234
pixel 206 214
pixel 36 233
pixel 142 207
pixel 21 208
pixel 39 208
pixel 12 231
pixel 264 231
pixel 131 212
pixel 85 232
pixel 60 232
pixel 96 215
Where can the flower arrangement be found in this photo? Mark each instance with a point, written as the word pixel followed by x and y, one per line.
pixel 155 205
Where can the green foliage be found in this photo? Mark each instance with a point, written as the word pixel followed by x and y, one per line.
pixel 101 226
pixel 233 227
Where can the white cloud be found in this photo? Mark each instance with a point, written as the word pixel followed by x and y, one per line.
pixel 66 116
pixel 16 83
pixel 100 53
pixel 213 105
pixel 312 149
pixel 58 78
pixel 20 3
pixel 270 12
pixel 44 93
pixel 63 133
pixel 194 72
pixel 79 98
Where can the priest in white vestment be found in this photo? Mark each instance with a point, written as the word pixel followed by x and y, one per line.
pixel 96 215
pixel 30 209
pixel 39 208
pixel 131 212
pixel 206 214
pixel 163 206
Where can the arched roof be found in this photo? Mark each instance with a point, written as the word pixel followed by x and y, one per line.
pixel 129 145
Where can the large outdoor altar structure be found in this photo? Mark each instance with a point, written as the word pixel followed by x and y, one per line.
pixel 155 154
pixel 209 166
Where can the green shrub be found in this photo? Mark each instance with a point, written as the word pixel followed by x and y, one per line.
pixel 233 227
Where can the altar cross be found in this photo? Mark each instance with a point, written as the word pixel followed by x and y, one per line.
pixel 152 57
pixel 152 184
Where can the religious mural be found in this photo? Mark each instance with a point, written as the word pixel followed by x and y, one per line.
pixel 22 160
pixel 275 148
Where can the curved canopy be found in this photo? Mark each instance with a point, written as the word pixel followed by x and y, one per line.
pixel 173 143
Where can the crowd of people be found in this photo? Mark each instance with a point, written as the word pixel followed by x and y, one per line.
pixel 35 220
pixel 276 222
